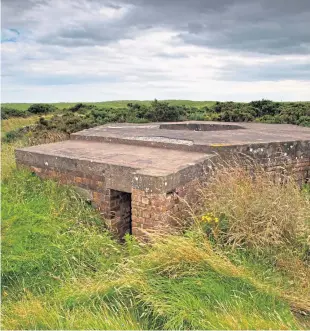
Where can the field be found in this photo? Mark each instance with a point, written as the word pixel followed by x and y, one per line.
pixel 114 104
pixel 62 270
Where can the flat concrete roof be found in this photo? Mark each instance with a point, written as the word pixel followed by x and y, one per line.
pixel 118 163
pixel 214 136
pixel 160 161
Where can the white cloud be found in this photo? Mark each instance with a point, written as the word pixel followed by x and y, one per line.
pixel 151 61
pixel 116 12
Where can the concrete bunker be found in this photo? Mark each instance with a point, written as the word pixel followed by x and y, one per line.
pixel 137 181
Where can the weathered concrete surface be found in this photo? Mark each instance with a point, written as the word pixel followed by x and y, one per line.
pixel 124 167
pixel 200 141
pixel 137 175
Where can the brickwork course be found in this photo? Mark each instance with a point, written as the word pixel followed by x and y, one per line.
pixel 142 177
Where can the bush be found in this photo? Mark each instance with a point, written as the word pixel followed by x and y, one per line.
pixel 11 112
pixel 81 107
pixel 67 123
pixel 84 116
pixel 162 112
pixel 16 134
pixel 265 107
pixel 41 108
pixel 261 111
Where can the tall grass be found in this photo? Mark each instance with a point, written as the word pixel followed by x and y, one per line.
pixel 178 283
pixel 17 122
pixel 62 270
pixel 255 210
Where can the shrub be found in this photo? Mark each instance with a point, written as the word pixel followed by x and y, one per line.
pixel 41 108
pixel 11 112
pixel 81 107
pixel 161 111
pixel 16 134
pixel 232 112
pixel 265 107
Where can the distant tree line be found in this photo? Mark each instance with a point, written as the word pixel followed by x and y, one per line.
pixel 82 116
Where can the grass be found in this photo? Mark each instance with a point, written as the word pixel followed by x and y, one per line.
pixel 61 270
pixel 258 213
pixel 16 123
pixel 114 104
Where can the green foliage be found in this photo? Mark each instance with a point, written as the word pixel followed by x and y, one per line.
pixel 41 108
pixel 163 112
pixel 83 116
pixel 267 111
pixel 68 123
pixel 12 112
pixel 113 104
pixel 16 134
pixel 80 107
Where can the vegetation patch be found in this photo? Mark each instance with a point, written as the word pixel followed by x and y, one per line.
pixel 84 115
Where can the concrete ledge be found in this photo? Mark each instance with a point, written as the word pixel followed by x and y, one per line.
pixel 122 167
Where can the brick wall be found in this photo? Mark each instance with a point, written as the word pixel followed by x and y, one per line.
pixel 163 211
pixel 114 206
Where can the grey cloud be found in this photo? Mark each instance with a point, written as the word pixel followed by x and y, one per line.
pixel 66 79
pixel 265 72
pixel 261 26
pixel 12 11
pixel 172 55
pixel 93 34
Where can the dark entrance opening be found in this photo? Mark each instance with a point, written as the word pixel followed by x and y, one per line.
pixel 121 212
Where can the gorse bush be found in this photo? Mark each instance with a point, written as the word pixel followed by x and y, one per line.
pixel 81 107
pixel 41 108
pixel 261 111
pixel 162 111
pixel 15 134
pixel 11 112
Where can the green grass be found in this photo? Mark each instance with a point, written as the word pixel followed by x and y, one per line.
pixel 49 233
pixel 16 123
pixel 62 270
pixel 115 104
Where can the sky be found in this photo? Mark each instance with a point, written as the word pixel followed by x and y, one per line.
pixel 98 50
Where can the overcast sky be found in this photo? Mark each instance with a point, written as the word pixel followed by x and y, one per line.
pixel 96 50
